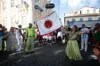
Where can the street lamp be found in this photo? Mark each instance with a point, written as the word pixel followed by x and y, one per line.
pixel 49 5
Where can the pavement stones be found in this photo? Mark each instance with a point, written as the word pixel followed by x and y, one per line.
pixel 43 56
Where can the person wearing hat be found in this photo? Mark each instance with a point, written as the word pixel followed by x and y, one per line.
pixel 30 36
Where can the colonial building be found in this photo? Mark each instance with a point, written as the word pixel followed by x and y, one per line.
pixel 23 12
pixel 86 15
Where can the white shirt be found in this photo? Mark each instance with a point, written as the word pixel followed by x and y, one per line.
pixel 84 30
pixel 59 34
pixel 49 37
pixel 45 37
pixel 18 35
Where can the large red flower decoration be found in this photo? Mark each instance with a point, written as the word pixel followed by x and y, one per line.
pixel 48 24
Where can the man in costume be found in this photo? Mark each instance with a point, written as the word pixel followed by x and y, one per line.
pixel 30 36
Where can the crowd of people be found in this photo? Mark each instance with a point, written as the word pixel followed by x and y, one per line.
pixel 15 39
pixel 87 36
pixel 55 37
pixel 18 39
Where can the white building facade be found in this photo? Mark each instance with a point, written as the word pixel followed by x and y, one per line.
pixel 23 12
pixel 86 15
pixel 16 12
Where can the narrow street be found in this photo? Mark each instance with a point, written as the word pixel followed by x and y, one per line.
pixel 43 56
pixel 26 24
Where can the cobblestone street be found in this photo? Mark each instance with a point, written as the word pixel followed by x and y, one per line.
pixel 43 56
pixel 49 32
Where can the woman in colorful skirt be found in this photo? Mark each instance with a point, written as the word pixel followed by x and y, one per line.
pixel 72 48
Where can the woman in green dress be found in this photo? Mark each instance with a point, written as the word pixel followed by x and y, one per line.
pixel 72 48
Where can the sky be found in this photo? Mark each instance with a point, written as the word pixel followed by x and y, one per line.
pixel 65 6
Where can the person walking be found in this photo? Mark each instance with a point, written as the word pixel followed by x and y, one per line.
pixel 30 36
pixel 84 38
pixel 72 48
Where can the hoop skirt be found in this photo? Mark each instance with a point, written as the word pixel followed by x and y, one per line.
pixel 72 48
